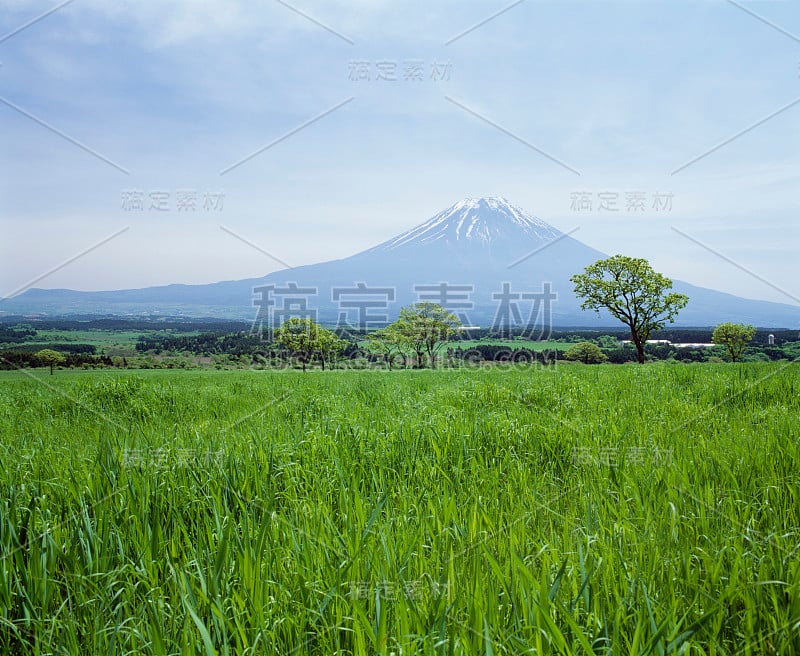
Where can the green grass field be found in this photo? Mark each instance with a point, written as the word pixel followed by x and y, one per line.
pixel 572 510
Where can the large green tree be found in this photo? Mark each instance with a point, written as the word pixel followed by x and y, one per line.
pixel 734 337
pixel 632 292
pixel 304 339
pixel 424 328
pixel 50 358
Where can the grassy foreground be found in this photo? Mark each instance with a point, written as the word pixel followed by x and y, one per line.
pixel 608 510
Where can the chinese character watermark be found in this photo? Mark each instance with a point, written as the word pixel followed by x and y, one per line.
pixel 168 458
pixel 629 202
pixel 391 590
pixel 293 304
pixel 613 457
pixel 179 200
pixel 362 306
pixel 393 70
pixel 509 317
pixel 456 299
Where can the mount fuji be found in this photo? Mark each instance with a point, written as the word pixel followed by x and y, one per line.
pixel 471 251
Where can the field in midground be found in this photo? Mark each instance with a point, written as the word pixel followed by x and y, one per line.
pixel 578 509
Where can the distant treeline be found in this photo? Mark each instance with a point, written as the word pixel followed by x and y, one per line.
pixel 500 353
pixel 203 344
pixel 230 343
pixel 213 343
pixel 18 359
pixel 15 335
pixel 62 347
pixel 576 334
pixel 17 329
pixel 696 335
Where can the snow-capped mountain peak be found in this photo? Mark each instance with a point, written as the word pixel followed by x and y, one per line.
pixel 476 221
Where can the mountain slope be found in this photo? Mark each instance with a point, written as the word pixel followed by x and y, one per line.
pixel 481 245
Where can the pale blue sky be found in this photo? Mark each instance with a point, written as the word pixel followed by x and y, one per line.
pixel 623 92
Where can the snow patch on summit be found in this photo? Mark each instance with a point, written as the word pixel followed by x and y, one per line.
pixel 476 220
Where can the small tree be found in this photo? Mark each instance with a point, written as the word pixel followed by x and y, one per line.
pixel 586 352
pixel 734 337
pixel 304 338
pixel 408 337
pixel 632 292
pixel 50 358
pixel 387 342
pixel 328 345
pixel 424 327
